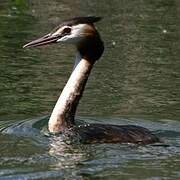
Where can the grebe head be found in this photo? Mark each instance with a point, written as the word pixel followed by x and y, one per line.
pixel 74 31
pixel 79 31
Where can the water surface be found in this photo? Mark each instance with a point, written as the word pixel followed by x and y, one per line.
pixel 137 81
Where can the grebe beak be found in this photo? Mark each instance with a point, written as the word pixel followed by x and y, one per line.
pixel 47 39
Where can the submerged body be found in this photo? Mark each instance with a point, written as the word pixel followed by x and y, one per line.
pixel 107 133
pixel 81 32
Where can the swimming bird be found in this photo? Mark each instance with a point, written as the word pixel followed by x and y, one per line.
pixel 81 32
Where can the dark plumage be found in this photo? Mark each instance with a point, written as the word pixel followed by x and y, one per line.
pixel 81 20
pixel 107 133
pixel 76 21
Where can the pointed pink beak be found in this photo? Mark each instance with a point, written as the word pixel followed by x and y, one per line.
pixel 47 39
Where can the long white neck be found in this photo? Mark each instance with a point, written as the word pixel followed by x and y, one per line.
pixel 63 113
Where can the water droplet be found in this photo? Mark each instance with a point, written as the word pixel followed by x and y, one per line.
pixel 164 31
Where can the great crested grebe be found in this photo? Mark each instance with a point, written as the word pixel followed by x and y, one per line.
pixel 81 32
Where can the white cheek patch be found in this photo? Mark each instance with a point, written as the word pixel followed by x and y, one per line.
pixel 75 36
pixel 63 39
pixel 70 39
pixel 78 30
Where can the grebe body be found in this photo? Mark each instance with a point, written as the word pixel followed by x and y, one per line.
pixel 81 32
pixel 108 133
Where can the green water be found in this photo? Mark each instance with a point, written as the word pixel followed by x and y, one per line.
pixel 137 81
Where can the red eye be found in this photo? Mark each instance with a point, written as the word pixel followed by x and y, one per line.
pixel 67 30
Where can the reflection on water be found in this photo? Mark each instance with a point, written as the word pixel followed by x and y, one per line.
pixel 34 153
pixel 138 77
